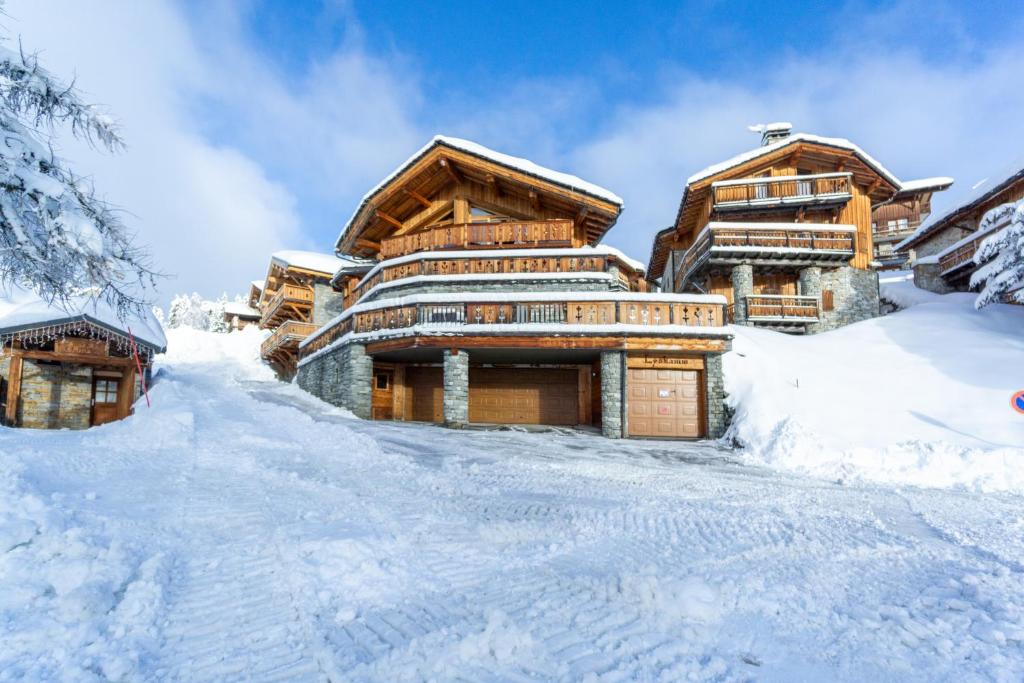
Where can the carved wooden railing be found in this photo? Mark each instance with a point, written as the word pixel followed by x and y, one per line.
pixel 756 192
pixel 451 316
pixel 294 294
pixel 781 307
pixel 960 256
pixel 289 332
pixel 505 235
pixel 749 238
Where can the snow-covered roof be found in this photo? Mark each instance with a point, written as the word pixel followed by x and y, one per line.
pixel 468 146
pixel 259 284
pixel 308 260
pixel 841 143
pixel 965 197
pixel 241 309
pixel 38 313
pixel 936 183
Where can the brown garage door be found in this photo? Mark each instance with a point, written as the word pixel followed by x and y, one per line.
pixel 664 403
pixel 424 394
pixel 523 396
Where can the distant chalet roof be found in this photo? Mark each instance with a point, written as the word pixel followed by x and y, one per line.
pixel 968 197
pixel 241 309
pixel 566 180
pixel 37 313
pixel 308 260
pixel 259 284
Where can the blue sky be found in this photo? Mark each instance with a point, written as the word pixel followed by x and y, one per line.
pixel 258 125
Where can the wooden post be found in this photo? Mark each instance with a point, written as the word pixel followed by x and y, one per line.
pixel 14 387
pixel 126 393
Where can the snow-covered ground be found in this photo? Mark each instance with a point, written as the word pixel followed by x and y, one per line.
pixel 241 530
pixel 921 396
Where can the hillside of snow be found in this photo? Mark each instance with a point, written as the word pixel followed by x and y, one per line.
pixel 920 396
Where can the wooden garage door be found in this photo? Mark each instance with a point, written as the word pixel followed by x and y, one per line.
pixel 664 403
pixel 424 394
pixel 523 396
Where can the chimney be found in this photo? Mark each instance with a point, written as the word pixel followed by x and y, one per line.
pixel 772 132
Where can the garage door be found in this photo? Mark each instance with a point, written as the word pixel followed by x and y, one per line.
pixel 664 403
pixel 523 396
pixel 424 394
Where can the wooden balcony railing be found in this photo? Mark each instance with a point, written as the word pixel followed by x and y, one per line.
pixel 290 332
pixel 507 235
pixel 781 190
pixel 959 257
pixel 451 316
pixel 782 308
pixel 295 295
pixel 774 241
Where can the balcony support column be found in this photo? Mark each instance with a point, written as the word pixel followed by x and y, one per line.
pixel 810 285
pixel 456 388
pixel 742 287
pixel 612 392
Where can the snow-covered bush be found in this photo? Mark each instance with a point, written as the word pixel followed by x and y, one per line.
pixel 192 310
pixel 1001 257
pixel 56 237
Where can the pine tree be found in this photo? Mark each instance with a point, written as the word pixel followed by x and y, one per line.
pixel 1001 257
pixel 189 310
pixel 56 237
pixel 216 314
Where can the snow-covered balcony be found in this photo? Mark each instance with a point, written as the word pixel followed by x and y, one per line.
pixel 744 194
pixel 285 339
pixel 779 309
pixel 503 235
pixel 558 315
pixel 773 244
pixel 287 303
pixel 957 260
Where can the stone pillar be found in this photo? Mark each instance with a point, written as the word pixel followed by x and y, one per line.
pixel 714 386
pixel 810 285
pixel 327 303
pixel 456 388
pixel 611 394
pixel 356 375
pixel 742 287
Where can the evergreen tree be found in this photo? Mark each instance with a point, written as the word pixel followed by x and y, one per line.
pixel 1001 257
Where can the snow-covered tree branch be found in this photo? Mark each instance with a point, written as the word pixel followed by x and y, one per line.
pixel 56 236
pixel 1001 256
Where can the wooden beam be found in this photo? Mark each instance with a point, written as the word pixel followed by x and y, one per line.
pixel 534 200
pixel 461 210
pixel 417 196
pixel 634 342
pixel 13 388
pixel 391 220
pixel 368 244
pixel 492 182
pixel 80 359
pixel 874 186
pixel 450 169
pixel 126 393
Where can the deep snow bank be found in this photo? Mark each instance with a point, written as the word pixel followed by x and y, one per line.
pixel 921 396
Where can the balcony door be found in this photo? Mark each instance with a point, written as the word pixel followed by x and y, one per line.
pixel 804 188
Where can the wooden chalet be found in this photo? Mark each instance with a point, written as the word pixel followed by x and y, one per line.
pixel 894 221
pixel 942 249
pixel 75 368
pixel 783 232
pixel 239 315
pixel 295 299
pixel 484 297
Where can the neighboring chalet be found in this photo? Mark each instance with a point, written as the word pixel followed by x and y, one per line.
pixel 942 249
pixel 295 299
pixel 75 368
pixel 239 315
pixel 783 232
pixel 896 220
pixel 490 301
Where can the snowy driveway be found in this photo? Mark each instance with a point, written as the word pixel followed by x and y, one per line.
pixel 243 531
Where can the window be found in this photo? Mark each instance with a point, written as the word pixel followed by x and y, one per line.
pixel 804 187
pixel 382 381
pixel 105 391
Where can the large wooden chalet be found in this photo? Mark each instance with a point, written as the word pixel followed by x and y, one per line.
pixel 479 293
pixel 73 367
pixel 942 249
pixel 783 232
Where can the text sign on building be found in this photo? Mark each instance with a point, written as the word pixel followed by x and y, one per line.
pixel 663 361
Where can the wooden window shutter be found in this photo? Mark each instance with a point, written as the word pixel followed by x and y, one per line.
pixel 827 304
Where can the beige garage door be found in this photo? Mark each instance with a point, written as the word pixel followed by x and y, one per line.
pixel 424 394
pixel 523 396
pixel 664 403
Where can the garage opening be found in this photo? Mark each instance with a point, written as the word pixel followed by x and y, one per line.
pixel 542 396
pixel 665 403
pixel 424 394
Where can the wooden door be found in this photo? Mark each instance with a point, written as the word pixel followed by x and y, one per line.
pixel 424 394
pixel 383 394
pixel 524 396
pixel 664 403
pixel 104 400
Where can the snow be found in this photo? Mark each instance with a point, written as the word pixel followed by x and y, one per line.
pixel 240 308
pixel 309 260
pixel 259 284
pixel 243 530
pixel 938 182
pixel 524 165
pixel 921 396
pixel 34 312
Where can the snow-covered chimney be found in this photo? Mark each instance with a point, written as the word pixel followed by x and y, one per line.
pixel 772 132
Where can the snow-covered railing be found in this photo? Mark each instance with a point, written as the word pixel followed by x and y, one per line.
pixel 768 241
pixel 782 190
pixel 287 294
pixel 288 332
pixel 781 307
pixel 506 235
pixel 571 312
